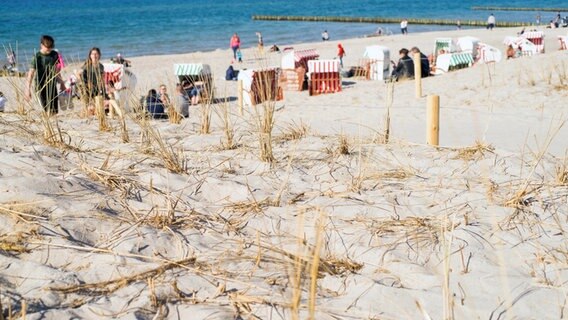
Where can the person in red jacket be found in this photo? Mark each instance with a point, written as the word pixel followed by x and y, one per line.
pixel 340 53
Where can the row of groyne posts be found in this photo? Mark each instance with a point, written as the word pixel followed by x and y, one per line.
pixel 442 22
pixel 433 101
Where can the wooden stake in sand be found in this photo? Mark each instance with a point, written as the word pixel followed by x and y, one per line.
pixel 240 96
pixel 433 120
pixel 418 74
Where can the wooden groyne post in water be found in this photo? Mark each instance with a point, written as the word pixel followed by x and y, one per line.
pixel 442 22
pixel 520 9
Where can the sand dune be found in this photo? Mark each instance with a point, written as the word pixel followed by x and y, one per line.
pixel 341 225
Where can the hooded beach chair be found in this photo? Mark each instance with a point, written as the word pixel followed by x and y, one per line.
pixel 376 62
pixel 294 67
pixel 469 44
pixel 260 85
pixel 199 75
pixel 537 38
pixel 488 54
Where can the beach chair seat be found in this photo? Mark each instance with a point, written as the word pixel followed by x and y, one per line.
pixel 324 76
pixel 200 75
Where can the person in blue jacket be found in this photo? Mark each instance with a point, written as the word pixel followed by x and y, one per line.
pixel 155 106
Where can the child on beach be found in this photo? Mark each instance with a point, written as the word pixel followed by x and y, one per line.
pixel 2 101
pixel 43 69
pixel 239 56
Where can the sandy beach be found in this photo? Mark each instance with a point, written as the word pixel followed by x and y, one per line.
pixel 176 224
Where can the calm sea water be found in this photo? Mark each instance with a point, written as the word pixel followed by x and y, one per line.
pixel 142 27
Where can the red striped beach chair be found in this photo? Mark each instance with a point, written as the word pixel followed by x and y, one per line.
pixel 324 76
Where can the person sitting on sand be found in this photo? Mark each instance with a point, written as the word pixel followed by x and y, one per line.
pixel 424 63
pixel 510 52
pixel 191 90
pixel 274 48
pixel 155 106
pixel 182 101
pixel 405 67
pixel 164 96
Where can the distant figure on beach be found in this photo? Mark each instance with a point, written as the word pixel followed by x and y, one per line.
pixel 379 31
pixel 260 41
pixel 274 48
pixel 458 25
pixel 340 53
pixel 3 101
pixel 239 56
pixel 491 22
pixel 424 62
pixel 44 69
pixel 557 20
pixel 325 35
pixel 235 44
pixel 11 58
pixel 93 79
pixel 538 19
pixel 120 60
pixel 405 67
pixel 404 26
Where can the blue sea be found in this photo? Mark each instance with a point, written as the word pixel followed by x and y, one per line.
pixel 148 27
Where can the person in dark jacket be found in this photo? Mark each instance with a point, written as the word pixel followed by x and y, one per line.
pixel 405 67
pixel 424 63
pixel 155 106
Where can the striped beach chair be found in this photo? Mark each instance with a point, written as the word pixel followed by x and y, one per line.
pixel 198 74
pixel 260 85
pixel 294 66
pixel 376 63
pixel 537 38
pixel 324 76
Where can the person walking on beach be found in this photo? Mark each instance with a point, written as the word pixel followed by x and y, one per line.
pixel 47 75
pixel 260 41
pixel 93 78
pixel 491 22
pixel 235 45
pixel 340 53
pixel 459 25
pixel 404 26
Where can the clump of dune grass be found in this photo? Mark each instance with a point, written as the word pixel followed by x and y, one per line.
pixel 205 117
pixel 561 172
pixel 263 115
pixel 222 111
pixel 343 145
pixel 475 152
pixel 151 141
pixel 294 131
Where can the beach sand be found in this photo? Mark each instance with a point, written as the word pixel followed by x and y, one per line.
pixel 340 226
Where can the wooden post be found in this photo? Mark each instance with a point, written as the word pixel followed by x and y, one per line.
pixel 240 96
pixel 418 74
pixel 433 120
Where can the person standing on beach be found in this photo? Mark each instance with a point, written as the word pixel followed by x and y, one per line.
pixel 538 19
pixel 47 75
pixel 93 78
pixel 459 25
pixel 325 35
pixel 235 45
pixel 260 41
pixel 491 22
pixel 340 53
pixel 404 26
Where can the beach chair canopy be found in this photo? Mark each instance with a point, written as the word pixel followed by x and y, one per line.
pixel 487 53
pixel 537 38
pixel 468 44
pixel 377 52
pixel 191 69
pixel 321 66
pixel 524 44
pixel 379 62
pixel 446 44
pixel 452 61
pixel 292 59
pixel 114 72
